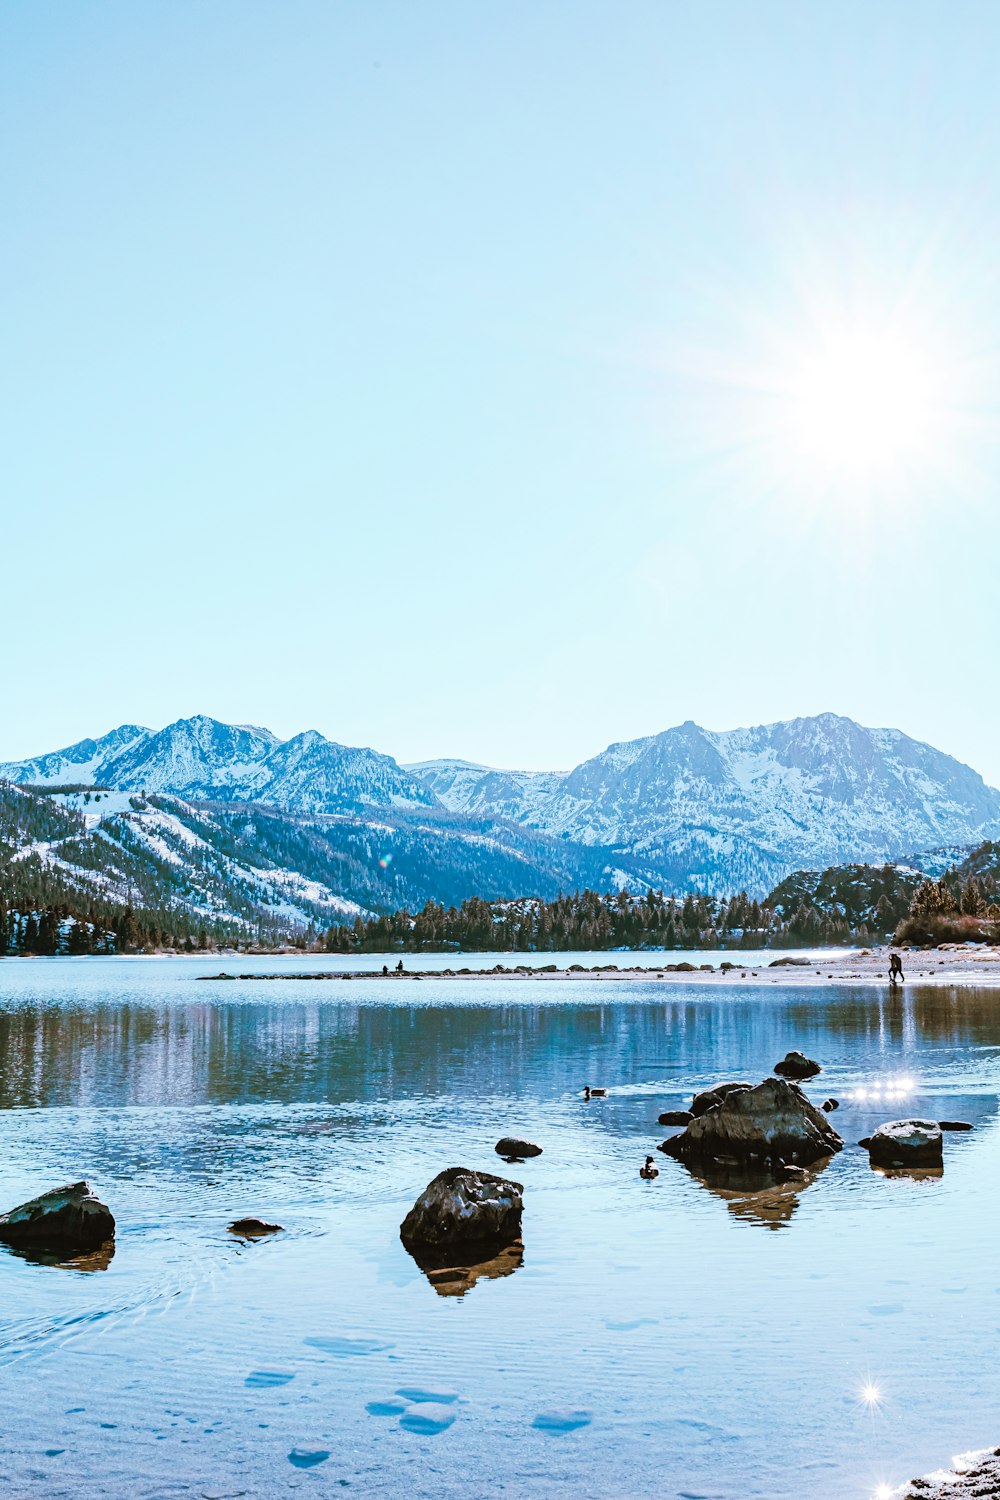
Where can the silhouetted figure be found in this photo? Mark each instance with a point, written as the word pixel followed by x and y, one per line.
pixel 399 967
pixel 385 968
pixel 895 968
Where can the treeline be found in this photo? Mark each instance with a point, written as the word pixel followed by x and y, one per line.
pixel 841 905
pixel 584 920
pixel 104 927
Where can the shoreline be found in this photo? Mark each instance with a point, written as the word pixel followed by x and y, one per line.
pixel 974 1474
pixel 950 965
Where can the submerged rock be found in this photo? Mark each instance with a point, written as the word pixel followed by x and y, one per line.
pixel 676 1117
pixel 710 1098
pixel 906 1143
pixel 774 1121
pixel 66 1218
pixel 464 1207
pixel 254 1229
pixel 515 1149
pixel 797 1065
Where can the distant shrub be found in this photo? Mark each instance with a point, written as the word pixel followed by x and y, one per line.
pixel 931 929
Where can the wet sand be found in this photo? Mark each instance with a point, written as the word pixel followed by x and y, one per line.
pixel 963 964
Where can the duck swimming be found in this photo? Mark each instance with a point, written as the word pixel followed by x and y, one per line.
pixel 589 1093
pixel 649 1170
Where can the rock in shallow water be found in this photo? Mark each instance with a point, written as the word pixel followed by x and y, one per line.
pixel 676 1117
pixel 797 1065
pixel 513 1146
pixel 462 1206
pixel 773 1121
pixel 906 1143
pixel 254 1229
pixel 66 1218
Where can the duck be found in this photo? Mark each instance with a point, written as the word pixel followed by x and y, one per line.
pixel 649 1170
pixel 589 1093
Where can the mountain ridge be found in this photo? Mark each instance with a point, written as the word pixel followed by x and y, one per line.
pixel 686 808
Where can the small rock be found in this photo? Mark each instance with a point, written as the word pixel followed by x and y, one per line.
pixel 66 1218
pixel 797 1065
pixel 830 1105
pixel 954 1125
pixel 865 1141
pixel 252 1229
pixel 906 1143
pixel 676 1117
pixel 515 1149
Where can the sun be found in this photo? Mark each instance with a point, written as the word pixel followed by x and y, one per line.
pixel 865 403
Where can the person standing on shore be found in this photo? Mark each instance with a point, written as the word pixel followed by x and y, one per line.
pixel 895 968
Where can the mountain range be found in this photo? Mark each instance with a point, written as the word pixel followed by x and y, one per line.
pixel 313 831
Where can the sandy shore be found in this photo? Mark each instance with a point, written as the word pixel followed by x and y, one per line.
pixel 974 1476
pixel 965 964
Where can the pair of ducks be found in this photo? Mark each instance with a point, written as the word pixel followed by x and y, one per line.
pixel 649 1169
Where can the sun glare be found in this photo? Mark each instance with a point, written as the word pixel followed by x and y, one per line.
pixel 865 403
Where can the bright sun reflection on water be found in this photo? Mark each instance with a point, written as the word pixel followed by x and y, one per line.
pixel 883 1492
pixel 885 1091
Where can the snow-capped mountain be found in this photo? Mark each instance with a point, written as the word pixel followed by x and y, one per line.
pixel 743 807
pixel 204 760
pixel 686 809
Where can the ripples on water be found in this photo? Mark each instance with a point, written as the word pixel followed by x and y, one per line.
pixel 679 1337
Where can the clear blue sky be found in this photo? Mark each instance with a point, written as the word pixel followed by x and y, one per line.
pixel 419 373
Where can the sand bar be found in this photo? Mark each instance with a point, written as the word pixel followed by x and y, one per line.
pixel 963 964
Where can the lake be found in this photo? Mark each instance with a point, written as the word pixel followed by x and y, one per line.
pixel 659 1338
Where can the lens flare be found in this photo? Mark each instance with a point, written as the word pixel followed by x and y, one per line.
pixel 385 860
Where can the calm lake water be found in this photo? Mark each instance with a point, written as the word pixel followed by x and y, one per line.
pixel 661 1338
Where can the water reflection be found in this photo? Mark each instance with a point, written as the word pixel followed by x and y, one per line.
pixel 86 1262
pixel 452 1279
pixel 756 1196
pixel 298 1048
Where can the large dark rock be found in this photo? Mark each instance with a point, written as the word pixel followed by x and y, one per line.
pixel 797 1065
pixel 906 1143
pixel 702 1103
pixel 66 1219
pixel 676 1117
pixel 772 1122
pixel 954 1125
pixel 515 1149
pixel 464 1207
